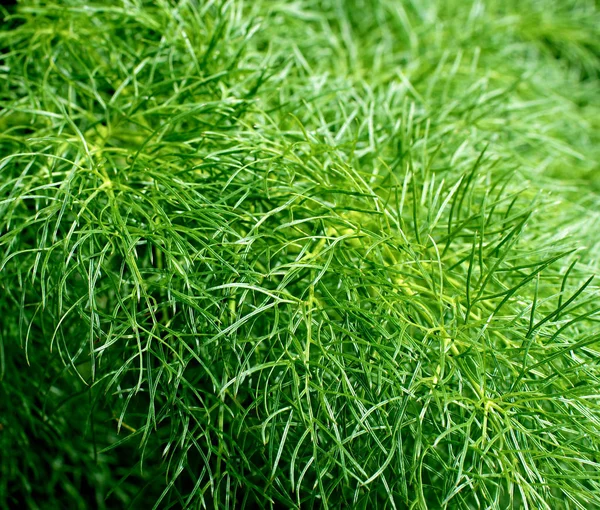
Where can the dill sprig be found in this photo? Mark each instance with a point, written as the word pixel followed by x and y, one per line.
pixel 320 253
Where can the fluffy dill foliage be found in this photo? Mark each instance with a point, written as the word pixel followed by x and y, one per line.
pixel 300 254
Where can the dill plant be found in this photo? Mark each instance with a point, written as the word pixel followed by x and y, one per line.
pixel 299 254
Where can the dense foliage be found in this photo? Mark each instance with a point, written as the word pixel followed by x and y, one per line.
pixel 309 253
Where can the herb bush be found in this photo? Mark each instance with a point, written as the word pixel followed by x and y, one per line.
pixel 308 254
